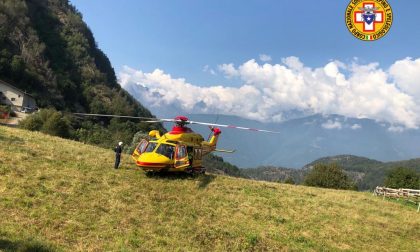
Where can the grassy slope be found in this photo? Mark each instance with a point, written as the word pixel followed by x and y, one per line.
pixel 59 194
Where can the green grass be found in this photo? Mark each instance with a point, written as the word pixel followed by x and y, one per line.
pixel 57 194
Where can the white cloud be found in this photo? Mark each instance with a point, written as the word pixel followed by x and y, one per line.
pixel 293 63
pixel 265 57
pixel 396 129
pixel 332 125
pixel 356 126
pixel 208 69
pixel 229 70
pixel 407 76
pixel 268 90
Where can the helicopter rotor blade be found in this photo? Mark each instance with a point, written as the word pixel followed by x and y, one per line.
pixel 116 116
pixel 149 119
pixel 158 120
pixel 225 151
pixel 232 127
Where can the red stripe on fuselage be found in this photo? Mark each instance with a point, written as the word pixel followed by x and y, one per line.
pixel 151 164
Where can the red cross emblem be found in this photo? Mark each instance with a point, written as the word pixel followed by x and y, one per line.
pixel 358 18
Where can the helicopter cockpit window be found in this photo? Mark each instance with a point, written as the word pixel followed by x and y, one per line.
pixel 166 150
pixel 150 147
pixel 142 146
pixel 181 152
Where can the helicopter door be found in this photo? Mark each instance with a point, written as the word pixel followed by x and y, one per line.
pixel 181 157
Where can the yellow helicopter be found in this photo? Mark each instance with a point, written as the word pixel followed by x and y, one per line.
pixel 179 150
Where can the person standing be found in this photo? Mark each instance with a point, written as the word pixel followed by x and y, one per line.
pixel 118 151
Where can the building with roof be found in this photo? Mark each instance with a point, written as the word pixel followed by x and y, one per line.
pixel 16 98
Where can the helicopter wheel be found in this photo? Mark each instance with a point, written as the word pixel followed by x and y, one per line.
pixel 200 171
pixel 189 170
pixel 150 173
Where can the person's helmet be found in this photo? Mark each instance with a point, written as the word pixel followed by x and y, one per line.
pixel 120 143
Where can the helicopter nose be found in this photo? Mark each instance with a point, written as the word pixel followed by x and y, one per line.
pixel 151 159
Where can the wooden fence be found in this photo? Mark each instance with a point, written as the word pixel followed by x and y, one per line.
pixel 407 194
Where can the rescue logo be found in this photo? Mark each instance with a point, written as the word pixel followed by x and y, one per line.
pixel 369 20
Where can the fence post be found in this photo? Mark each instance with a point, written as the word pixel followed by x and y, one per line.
pixel 418 208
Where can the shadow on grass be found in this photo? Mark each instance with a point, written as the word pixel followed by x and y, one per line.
pixel 7 245
pixel 169 175
pixel 205 180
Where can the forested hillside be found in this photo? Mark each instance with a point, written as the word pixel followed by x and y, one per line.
pixel 273 174
pixel 366 173
pixel 216 164
pixel 47 50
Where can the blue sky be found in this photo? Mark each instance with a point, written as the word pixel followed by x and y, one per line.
pixel 181 37
pixel 196 57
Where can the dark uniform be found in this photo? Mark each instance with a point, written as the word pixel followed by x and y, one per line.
pixel 118 151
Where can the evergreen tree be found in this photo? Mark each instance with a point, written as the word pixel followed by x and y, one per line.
pixel 328 176
pixel 401 177
pixel 48 121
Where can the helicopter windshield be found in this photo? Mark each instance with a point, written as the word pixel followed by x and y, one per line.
pixel 166 150
pixel 142 145
pixel 150 147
